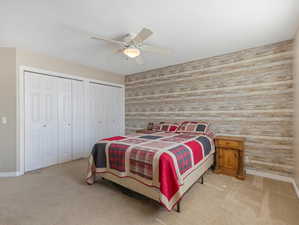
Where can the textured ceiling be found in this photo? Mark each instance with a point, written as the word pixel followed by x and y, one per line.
pixel 192 29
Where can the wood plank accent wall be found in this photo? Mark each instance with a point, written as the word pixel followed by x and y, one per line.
pixel 248 93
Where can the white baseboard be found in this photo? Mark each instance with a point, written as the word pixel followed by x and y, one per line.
pixel 275 177
pixel 9 174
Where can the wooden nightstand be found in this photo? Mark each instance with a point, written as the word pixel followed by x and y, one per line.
pixel 230 156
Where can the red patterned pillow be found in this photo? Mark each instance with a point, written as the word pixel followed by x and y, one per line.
pixel 169 127
pixel 193 127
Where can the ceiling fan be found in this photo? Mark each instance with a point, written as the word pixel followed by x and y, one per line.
pixel 132 45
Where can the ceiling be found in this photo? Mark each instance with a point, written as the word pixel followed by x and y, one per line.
pixel 192 29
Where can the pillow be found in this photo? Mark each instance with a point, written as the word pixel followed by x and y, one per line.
pixel 169 127
pixel 210 133
pixel 155 126
pixel 193 127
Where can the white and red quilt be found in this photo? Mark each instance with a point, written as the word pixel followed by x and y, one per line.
pixel 162 160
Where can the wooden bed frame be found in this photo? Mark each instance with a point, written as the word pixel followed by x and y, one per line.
pixel 154 193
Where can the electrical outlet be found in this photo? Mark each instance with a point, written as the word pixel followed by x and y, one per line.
pixel 3 120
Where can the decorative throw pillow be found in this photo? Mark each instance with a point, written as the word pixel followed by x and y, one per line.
pixel 169 127
pixel 156 126
pixel 193 127
pixel 210 133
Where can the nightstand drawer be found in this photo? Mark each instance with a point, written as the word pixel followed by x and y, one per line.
pixel 229 144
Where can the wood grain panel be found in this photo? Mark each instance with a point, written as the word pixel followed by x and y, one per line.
pixel 248 93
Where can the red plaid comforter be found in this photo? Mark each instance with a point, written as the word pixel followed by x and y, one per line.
pixel 162 160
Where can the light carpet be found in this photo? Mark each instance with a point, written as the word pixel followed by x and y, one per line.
pixel 59 196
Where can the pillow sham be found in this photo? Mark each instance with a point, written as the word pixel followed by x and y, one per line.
pixel 193 127
pixel 156 126
pixel 210 133
pixel 169 127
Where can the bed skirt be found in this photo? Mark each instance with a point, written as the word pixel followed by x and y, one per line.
pixel 153 192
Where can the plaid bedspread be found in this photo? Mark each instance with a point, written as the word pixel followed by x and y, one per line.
pixel 162 160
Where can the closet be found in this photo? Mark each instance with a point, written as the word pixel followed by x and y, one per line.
pixel 65 117
pixel 105 111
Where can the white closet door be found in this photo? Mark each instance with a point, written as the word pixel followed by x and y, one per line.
pixel 51 122
pixel 100 116
pixel 91 112
pixel 105 112
pixel 78 105
pixel 117 105
pixel 41 121
pixel 120 111
pixel 115 110
pixel 65 119
pixel 110 119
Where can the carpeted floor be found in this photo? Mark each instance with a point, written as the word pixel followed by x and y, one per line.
pixel 58 195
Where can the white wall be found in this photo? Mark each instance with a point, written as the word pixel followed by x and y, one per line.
pixel 8 109
pixel 41 61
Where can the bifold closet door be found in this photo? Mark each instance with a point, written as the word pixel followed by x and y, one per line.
pixel 80 149
pixel 96 113
pixel 41 121
pixel 105 112
pixel 117 111
pixel 114 112
pixel 64 119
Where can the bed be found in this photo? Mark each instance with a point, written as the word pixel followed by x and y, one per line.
pixel 162 165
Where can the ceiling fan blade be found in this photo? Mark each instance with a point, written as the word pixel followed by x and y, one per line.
pixel 141 36
pixel 155 49
pixel 139 60
pixel 110 40
pixel 117 51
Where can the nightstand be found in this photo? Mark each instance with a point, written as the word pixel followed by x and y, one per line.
pixel 230 156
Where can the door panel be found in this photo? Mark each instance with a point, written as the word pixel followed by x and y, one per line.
pixel 50 125
pixel 109 111
pixel 102 112
pixel 228 161
pixel 78 128
pixel 115 122
pixel 33 123
pixel 105 112
pixel 41 147
pixel 65 119
pixel 92 121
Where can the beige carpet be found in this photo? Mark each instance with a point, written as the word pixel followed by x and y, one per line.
pixel 58 195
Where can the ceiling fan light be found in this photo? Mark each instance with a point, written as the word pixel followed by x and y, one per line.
pixel 132 52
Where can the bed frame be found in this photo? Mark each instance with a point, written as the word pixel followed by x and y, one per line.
pixel 154 193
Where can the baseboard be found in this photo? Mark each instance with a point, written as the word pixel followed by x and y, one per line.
pixel 269 175
pixel 9 174
pixel 296 188
pixel 274 177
